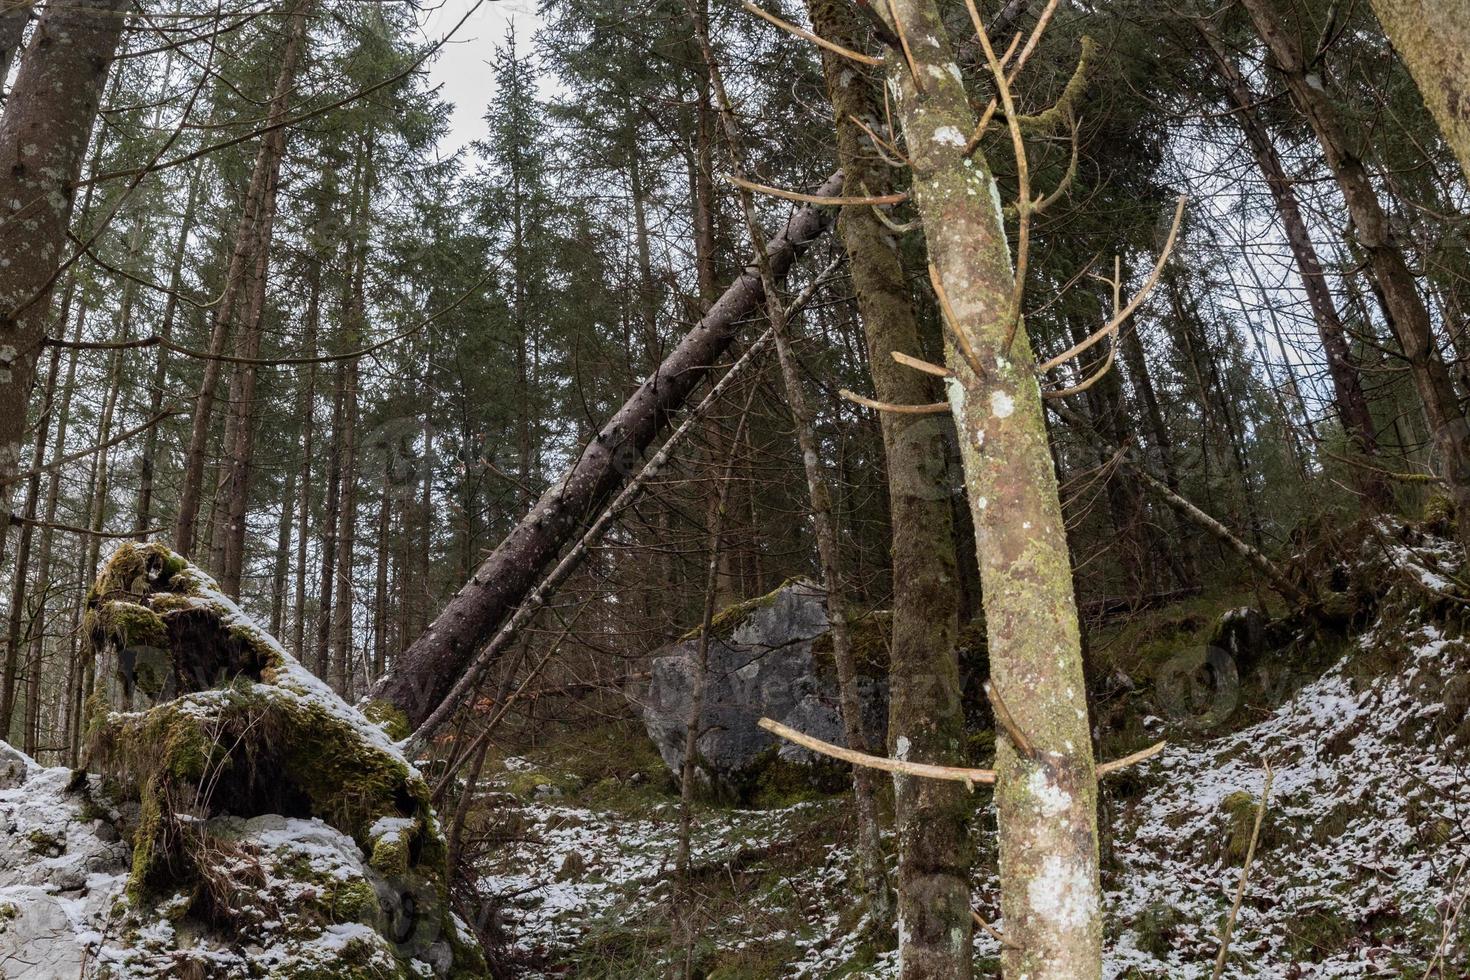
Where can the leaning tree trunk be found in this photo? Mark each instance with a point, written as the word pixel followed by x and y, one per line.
pixel 925 708
pixel 1046 799
pixel 43 138
pixel 429 667
pixel 1348 397
pixel 1399 293
pixel 1433 39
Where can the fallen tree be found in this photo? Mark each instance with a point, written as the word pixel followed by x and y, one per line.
pixel 430 667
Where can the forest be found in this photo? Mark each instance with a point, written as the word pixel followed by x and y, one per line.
pixel 921 489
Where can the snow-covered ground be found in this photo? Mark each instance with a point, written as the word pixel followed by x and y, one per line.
pixel 1362 871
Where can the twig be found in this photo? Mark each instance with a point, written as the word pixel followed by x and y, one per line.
pixel 897 198
pixel 805 35
pixel 932 408
pixel 1121 316
pixel 1008 722
pixel 994 932
pixel 955 774
pixel 1245 871
pixel 898 158
pixel 961 339
pixel 917 364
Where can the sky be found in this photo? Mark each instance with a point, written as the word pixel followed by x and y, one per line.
pixel 460 67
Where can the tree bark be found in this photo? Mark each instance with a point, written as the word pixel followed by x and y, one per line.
pixel 429 667
pixel 235 472
pixel 43 137
pixel 252 242
pixel 1046 799
pixel 14 15
pixel 159 376
pixel 1433 39
pixel 1399 293
pixel 21 569
pixel 308 436
pixel 925 707
pixel 322 660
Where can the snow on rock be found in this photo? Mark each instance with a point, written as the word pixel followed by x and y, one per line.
pixel 61 868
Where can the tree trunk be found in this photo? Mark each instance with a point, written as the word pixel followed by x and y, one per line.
pixel 1433 39
pixel 21 570
pixel 1104 403
pixel 159 377
pixel 234 482
pixel 1187 568
pixel 43 137
pixel 1046 801
pixel 346 533
pixel 14 15
pixel 1399 293
pixel 429 667
pixel 322 660
pixel 282 558
pixel 252 242
pixel 308 436
pixel 381 598
pixel 925 707
pixel 1351 403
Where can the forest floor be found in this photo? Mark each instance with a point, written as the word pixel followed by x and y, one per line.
pixel 1363 865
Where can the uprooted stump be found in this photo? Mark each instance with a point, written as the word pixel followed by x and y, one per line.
pixel 263 810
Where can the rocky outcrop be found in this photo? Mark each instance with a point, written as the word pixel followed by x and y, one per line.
pixel 267 827
pixel 768 657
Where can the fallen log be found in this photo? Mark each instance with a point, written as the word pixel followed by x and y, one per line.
pixel 434 662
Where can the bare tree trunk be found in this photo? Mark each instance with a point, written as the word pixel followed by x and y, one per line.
pixel 430 666
pixel 35 656
pixel 1046 798
pixel 1104 403
pixel 1399 294
pixel 1433 39
pixel 381 598
pixel 346 532
pixel 308 436
pixel 322 661
pixel 21 569
pixel 235 471
pixel 44 135
pixel 925 707
pixel 1187 566
pixel 14 15
pixel 252 242
pixel 282 557
pixel 160 366
pixel 1351 403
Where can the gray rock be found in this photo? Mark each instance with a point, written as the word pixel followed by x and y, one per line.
pixel 14 766
pixel 762 663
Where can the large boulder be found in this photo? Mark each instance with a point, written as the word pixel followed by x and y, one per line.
pixel 271 828
pixel 768 657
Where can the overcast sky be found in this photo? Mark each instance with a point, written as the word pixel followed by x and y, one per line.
pixel 461 66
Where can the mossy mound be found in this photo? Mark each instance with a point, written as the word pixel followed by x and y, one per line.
pixel 207 720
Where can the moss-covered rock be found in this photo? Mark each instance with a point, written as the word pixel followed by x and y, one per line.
pixel 226 725
pixel 1239 812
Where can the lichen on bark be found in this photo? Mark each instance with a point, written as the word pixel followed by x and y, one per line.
pixel 1047 802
